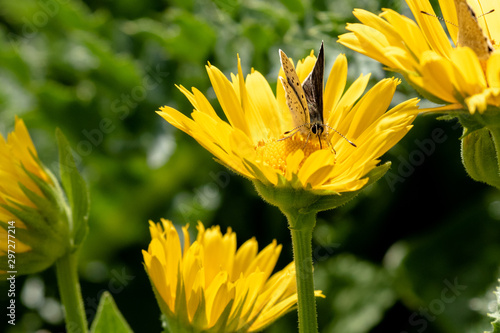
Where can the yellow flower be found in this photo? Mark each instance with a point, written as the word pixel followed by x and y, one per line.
pixel 249 142
pixel 211 286
pixel 464 76
pixel 17 153
pixel 33 221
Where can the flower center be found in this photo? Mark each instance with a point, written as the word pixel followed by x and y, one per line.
pixel 275 152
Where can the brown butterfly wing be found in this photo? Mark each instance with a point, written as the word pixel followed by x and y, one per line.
pixel 313 89
pixel 470 33
pixel 294 94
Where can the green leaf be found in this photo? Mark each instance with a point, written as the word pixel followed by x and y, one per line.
pixel 108 317
pixel 222 321
pixel 358 292
pixel 75 187
pixel 295 6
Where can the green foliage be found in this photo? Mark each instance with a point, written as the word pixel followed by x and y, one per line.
pixel 109 318
pixel 76 190
pixel 357 291
pixel 496 315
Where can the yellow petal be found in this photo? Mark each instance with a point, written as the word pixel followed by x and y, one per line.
pixel 493 70
pixel 335 85
pixel 228 99
pixel 264 101
pixel 470 78
pixel 431 27
pixel 244 256
pixel 437 75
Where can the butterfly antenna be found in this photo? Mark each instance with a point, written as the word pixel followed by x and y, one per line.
pixel 342 135
pixel 439 18
pixel 491 11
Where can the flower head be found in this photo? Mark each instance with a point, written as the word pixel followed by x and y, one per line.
pixel 465 76
pixel 33 215
pixel 252 142
pixel 211 286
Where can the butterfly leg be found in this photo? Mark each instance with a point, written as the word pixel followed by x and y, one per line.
pixel 319 139
pixel 330 145
pixel 307 140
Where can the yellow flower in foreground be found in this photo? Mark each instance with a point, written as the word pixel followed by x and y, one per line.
pixel 249 142
pixel 422 52
pixel 210 286
pixel 30 217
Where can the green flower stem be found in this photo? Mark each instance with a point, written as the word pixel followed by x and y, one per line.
pixel 301 227
pixel 71 296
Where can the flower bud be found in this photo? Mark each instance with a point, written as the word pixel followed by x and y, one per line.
pixel 35 218
pixel 480 148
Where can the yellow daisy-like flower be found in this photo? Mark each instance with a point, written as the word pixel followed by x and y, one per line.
pixel 249 142
pixel 16 154
pixel 464 76
pixel 29 215
pixel 296 172
pixel 211 286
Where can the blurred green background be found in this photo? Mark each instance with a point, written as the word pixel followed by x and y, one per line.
pixel 417 252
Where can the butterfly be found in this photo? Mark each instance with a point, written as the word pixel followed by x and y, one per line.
pixel 305 100
pixel 470 33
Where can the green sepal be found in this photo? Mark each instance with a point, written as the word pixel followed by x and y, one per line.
pixel 200 316
pixel 481 145
pixel 47 241
pixel 37 240
pixel 75 188
pixel 181 310
pixel 26 263
pixel 52 204
pixel 236 318
pixel 108 318
pixel 490 118
pixel 49 220
pixel 221 323
pixel 32 218
pixel 47 208
pixel 258 174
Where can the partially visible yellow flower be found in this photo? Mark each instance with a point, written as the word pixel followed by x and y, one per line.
pixel 249 141
pixel 33 224
pixel 15 153
pixel 422 52
pixel 211 286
